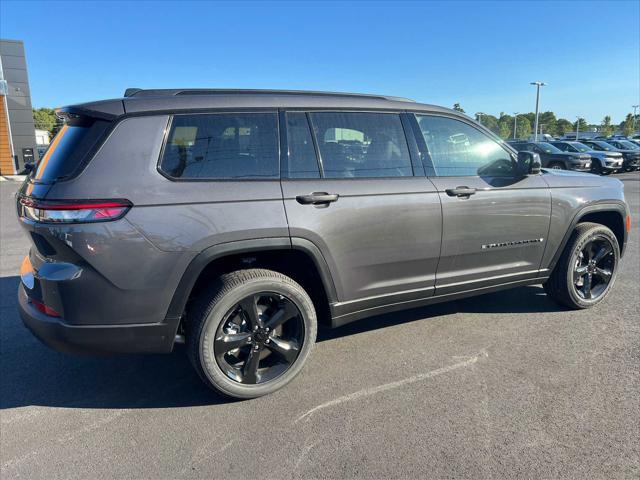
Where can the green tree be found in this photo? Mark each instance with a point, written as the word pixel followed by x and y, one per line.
pixel 45 119
pixel 627 126
pixel 458 108
pixel 505 128
pixel 490 122
pixel 582 123
pixel 606 128
pixel 563 126
pixel 523 128
pixel 548 119
pixel 505 125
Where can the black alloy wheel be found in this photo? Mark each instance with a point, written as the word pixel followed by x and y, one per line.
pixel 594 268
pixel 259 338
pixel 587 268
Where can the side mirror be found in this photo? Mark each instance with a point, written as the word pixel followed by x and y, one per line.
pixel 529 163
pixel 28 168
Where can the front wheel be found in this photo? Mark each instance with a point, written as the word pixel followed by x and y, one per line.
pixel 251 333
pixel 587 269
pixel 556 166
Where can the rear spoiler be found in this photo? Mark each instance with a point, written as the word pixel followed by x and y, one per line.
pixel 105 110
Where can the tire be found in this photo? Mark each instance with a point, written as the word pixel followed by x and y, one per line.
pixel 597 168
pixel 217 309
pixel 557 166
pixel 563 285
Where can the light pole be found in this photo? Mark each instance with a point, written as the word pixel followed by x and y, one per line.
pixel 479 117
pixel 542 125
pixel 635 107
pixel 515 124
pixel 578 129
pixel 535 130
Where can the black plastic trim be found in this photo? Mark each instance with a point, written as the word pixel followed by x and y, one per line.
pixel 603 206
pixel 338 321
pixel 96 339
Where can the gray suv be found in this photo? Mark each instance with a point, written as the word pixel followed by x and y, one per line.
pixel 235 221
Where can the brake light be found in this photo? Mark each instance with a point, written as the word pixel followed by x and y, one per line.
pixel 41 307
pixel 72 211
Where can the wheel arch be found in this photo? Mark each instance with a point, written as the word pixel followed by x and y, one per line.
pixel 611 214
pixel 298 258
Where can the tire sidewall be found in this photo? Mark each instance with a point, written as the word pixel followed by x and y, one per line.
pixel 599 232
pixel 216 315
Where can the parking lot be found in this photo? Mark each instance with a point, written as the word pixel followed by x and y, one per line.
pixel 499 386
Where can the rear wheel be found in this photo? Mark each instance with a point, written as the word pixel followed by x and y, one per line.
pixel 252 333
pixel 557 166
pixel 587 268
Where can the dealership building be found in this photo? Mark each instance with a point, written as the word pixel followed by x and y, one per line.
pixel 17 131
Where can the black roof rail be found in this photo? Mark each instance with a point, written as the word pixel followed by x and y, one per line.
pixel 171 92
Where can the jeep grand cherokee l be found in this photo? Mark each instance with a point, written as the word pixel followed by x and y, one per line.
pixel 553 157
pixel 238 220
pixel 631 157
pixel 603 163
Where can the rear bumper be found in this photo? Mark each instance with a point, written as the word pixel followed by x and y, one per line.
pixel 95 339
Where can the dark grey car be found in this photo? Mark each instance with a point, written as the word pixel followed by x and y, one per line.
pixel 237 220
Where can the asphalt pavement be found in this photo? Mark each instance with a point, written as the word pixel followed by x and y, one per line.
pixel 504 385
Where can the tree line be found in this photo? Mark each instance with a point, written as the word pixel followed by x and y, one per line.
pixel 549 124
pixel 45 119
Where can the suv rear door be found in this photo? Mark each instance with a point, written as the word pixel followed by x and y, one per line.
pixel 376 218
pixel 495 221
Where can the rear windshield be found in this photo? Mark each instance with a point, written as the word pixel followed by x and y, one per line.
pixel 68 149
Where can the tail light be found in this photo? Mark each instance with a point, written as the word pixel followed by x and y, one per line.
pixel 41 307
pixel 54 211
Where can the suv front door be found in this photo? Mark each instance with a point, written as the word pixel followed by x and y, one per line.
pixel 350 189
pixel 495 220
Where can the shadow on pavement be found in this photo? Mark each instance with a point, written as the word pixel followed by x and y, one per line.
pixel 33 374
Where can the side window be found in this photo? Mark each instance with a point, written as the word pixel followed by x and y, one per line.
pixel 302 160
pixel 563 146
pixel 458 149
pixel 361 144
pixel 224 145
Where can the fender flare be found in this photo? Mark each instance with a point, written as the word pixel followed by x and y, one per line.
pixel 614 206
pixel 205 257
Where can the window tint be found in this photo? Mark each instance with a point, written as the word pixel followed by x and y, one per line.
pixel 458 149
pixel 361 145
pixel 302 161
pixel 68 149
pixel 234 145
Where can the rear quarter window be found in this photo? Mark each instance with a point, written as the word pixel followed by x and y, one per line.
pixel 222 146
pixel 69 149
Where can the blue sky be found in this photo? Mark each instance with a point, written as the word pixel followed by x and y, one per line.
pixel 481 54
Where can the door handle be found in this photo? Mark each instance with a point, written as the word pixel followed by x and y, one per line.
pixel 317 198
pixel 460 192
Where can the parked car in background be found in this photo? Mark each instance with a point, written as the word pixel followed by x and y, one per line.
pixel 552 157
pixel 602 162
pixel 635 141
pixel 578 136
pixel 542 137
pixel 631 157
pixel 623 143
